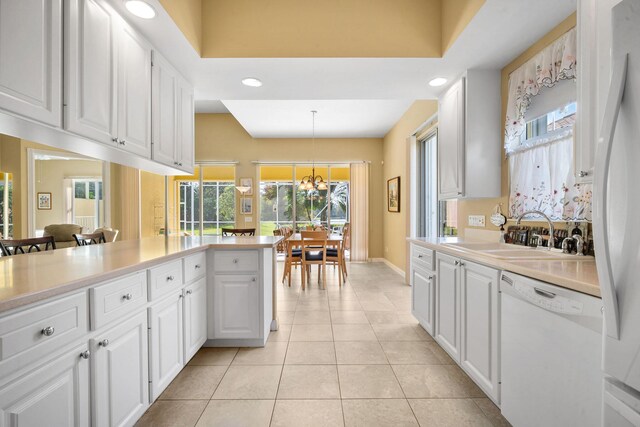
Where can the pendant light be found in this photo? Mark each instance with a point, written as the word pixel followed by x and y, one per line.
pixel 313 182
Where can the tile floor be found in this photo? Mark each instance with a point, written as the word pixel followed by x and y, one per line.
pixel 351 356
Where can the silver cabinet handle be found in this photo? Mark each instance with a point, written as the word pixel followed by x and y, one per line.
pixel 176 164
pixel 122 142
pixel 461 264
pixel 48 331
pixel 85 354
pixel 430 277
pixel 253 279
pixel 582 174
pixel 114 140
pixel 180 296
pixel 180 164
pixel 127 296
pixel 103 343
pixel 189 292
pixel 456 263
pixel 170 278
pixel 420 256
pixel 197 266
pixel 235 261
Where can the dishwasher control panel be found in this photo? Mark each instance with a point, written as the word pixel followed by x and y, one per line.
pixel 548 300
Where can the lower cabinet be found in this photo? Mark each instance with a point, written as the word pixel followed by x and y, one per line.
pixel 54 394
pixel 236 299
pixel 120 373
pixel 448 304
pixel 422 299
pixel 195 317
pixel 166 345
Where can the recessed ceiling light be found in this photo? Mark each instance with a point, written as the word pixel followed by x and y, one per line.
pixel 252 81
pixel 438 81
pixel 140 9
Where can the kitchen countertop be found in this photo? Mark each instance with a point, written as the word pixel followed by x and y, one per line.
pixel 578 275
pixel 25 279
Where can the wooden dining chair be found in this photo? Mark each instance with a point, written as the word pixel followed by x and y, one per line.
pixel 282 244
pixel 293 258
pixel 15 247
pixel 87 239
pixel 335 256
pixel 314 251
pixel 238 231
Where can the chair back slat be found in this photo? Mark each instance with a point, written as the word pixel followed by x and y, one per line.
pixel 16 247
pixel 238 231
pixel 89 239
pixel 322 235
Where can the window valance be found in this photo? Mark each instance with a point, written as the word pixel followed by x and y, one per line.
pixel 553 63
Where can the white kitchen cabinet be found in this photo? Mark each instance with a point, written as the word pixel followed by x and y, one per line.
pixel 422 297
pixel 120 373
pixel 470 137
pixel 166 345
pixel 53 394
pixel 479 327
pixel 31 59
pixel 172 116
pixel 237 312
pixel 195 317
pixel 447 331
pixel 90 74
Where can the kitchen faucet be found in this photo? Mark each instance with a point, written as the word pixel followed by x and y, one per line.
pixel 542 214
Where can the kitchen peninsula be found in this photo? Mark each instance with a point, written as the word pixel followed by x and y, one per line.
pixel 122 320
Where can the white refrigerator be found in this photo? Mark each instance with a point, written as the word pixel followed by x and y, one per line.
pixel 616 221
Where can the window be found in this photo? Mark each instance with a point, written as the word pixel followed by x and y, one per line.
pixel 6 208
pixel 80 190
pixel 218 206
pixel 427 186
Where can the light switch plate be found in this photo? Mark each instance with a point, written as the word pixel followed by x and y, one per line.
pixel 476 220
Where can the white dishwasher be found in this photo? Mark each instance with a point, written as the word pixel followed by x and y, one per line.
pixel 551 353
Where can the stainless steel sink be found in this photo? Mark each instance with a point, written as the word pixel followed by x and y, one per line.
pixel 514 252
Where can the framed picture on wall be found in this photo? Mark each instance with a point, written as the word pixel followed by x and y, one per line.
pixel 246 206
pixel 247 182
pixel 393 194
pixel 44 201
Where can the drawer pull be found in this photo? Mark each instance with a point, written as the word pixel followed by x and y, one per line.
pixel 170 278
pixel 85 354
pixel 127 296
pixel 103 343
pixel 461 264
pixel 253 279
pixel 48 331
pixel 456 263
pixel 430 277
pixel 235 261
pixel 420 256
pixel 189 292
pixel 197 266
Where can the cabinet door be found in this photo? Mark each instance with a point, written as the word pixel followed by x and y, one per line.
pixel 479 326
pixel 165 342
pixel 451 142
pixel 90 79
pixel 134 92
pixel 164 111
pixel 195 317
pixel 422 287
pixel 185 148
pixel 120 373
pixel 237 306
pixel 55 394
pixel 31 59
pixel 447 304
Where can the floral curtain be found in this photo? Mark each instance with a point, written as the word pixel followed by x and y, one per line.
pixel 542 178
pixel 554 63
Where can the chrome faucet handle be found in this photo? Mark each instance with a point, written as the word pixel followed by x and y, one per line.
pixel 538 239
pixel 579 244
pixel 565 245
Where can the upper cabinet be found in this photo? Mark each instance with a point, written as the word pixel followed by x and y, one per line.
pixel 469 137
pixel 31 59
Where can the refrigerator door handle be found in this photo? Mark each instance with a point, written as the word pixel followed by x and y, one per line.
pixel 600 201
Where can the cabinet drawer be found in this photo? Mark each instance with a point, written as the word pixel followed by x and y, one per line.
pixel 115 299
pixel 422 257
pixel 165 278
pixel 235 261
pixel 35 332
pixel 194 267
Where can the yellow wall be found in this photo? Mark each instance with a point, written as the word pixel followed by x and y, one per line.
pixel 456 15
pixel 220 137
pixel 151 204
pixel 395 164
pixel 125 201
pixel 187 14
pixel 486 206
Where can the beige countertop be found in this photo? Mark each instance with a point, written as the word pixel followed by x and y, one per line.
pixel 25 279
pixel 578 275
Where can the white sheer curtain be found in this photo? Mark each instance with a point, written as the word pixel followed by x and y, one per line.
pixel 542 178
pixel 359 211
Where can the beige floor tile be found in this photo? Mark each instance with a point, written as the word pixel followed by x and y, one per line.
pixel 311 353
pixel 402 304
pixel 442 355
pixel 410 353
pixel 368 382
pixel 213 356
pixel 171 413
pixel 311 333
pixel 271 354
pixel 448 413
pixel 353 333
pixel 226 413
pixel 396 332
pixel 492 412
pixel 286 317
pixel 319 304
pixel 435 381
pixel 309 382
pixel 382 317
pixel 307 413
pixel 288 305
pixel 349 318
pixel 407 318
pixel 345 305
pixel 194 382
pixel 360 353
pixel 312 317
pixel 378 413
pixel 342 294
pixel 424 335
pixel 373 305
pixel 249 382
pixel 281 335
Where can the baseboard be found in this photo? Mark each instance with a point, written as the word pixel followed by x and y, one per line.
pixel 390 265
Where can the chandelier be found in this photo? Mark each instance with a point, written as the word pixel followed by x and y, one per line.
pixel 313 182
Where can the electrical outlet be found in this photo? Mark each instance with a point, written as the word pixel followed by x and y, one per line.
pixel 476 220
pixel 248 219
